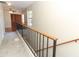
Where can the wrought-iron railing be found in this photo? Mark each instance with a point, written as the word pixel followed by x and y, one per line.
pixel 38 41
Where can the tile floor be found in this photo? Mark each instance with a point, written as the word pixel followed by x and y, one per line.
pixel 12 46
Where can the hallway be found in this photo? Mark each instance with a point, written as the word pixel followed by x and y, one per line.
pixel 12 46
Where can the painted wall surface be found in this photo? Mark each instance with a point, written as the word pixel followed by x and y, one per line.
pixel 7 17
pixel 59 18
pixel 2 30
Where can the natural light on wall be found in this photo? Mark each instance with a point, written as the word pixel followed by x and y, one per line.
pixel 29 18
pixel 67 19
pixel 57 17
pixel 23 19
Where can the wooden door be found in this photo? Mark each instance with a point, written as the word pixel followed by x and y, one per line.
pixel 15 18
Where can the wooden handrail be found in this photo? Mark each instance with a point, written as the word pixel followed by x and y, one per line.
pixel 38 36
pixel 49 36
pixel 60 44
pixel 68 42
pixel 42 33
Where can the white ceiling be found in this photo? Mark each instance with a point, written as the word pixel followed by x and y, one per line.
pixel 21 4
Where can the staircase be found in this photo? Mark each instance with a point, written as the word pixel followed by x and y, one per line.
pixel 38 42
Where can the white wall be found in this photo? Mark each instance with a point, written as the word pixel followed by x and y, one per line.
pixel 59 18
pixel 7 17
pixel 2 30
pixel 68 50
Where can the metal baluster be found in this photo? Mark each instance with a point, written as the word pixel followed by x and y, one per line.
pixel 29 34
pixel 39 44
pixel 54 48
pixel 26 35
pixel 34 41
pixel 22 31
pixel 47 47
pixel 43 47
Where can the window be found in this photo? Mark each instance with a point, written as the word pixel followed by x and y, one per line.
pixel 29 18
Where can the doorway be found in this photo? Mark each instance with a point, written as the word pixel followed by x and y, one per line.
pixel 15 18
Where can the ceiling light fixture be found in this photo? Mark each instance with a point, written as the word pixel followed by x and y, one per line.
pixel 10 11
pixel 8 3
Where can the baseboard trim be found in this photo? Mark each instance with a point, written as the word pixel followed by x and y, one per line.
pixel 8 29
